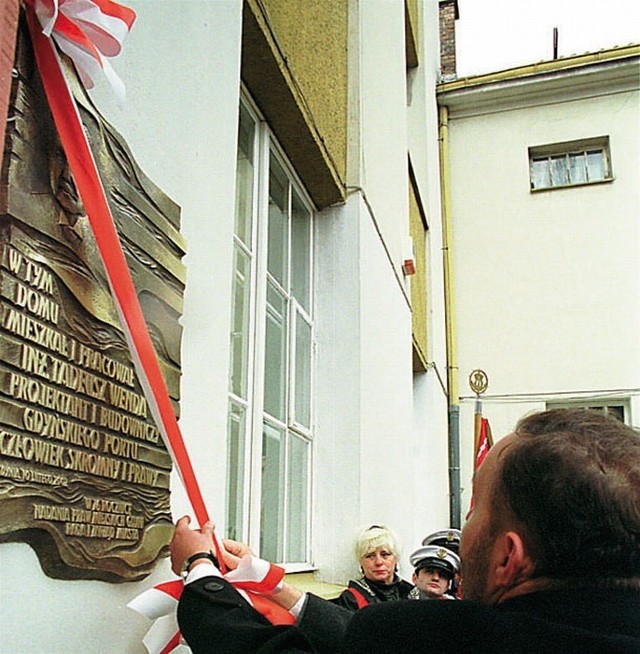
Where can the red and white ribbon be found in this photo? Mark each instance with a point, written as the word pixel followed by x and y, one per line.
pixel 253 579
pixel 50 14
pixel 88 31
pixel 256 575
pixel 160 604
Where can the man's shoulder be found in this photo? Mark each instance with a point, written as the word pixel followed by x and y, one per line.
pixel 407 626
pixel 426 610
pixel 545 621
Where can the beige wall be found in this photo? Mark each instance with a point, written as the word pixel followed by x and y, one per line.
pixel 418 282
pixel 294 62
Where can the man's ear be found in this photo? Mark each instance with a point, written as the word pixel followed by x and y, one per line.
pixel 513 565
pixel 414 578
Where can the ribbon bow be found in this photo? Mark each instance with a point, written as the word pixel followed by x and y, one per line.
pixel 88 31
pixel 254 578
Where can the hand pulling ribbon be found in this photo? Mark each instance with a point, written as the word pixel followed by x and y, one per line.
pixel 84 29
pixel 253 579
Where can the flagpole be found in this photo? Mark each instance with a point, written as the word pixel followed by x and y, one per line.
pixel 479 382
pixel 477 422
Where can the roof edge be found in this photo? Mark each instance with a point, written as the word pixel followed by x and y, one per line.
pixel 530 70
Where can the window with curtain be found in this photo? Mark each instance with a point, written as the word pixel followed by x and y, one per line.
pixel 571 163
pixel 270 429
pixel 617 408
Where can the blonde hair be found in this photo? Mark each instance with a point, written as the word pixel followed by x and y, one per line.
pixel 370 538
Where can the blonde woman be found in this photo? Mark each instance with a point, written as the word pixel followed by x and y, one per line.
pixel 377 551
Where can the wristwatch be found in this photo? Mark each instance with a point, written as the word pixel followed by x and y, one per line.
pixel 194 557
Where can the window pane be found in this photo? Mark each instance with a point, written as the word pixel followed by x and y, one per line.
pixel 272 503
pixel 275 353
pixel 617 411
pixel 244 178
pixel 559 171
pixel 595 165
pixel 302 388
pixel 278 231
pixel 540 173
pixel 300 253
pixel 236 437
pixel 240 323
pixel 298 499
pixel 577 170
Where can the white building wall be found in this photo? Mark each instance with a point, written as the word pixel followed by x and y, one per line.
pixel 383 122
pixel 378 208
pixel 336 505
pixel 430 503
pixel 378 446
pixel 181 67
pixel 547 283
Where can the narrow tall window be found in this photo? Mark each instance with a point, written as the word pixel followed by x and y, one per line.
pixel 270 430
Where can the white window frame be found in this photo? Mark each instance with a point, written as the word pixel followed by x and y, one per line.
pixel 545 155
pixel 264 147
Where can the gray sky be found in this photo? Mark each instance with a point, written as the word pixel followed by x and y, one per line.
pixel 493 35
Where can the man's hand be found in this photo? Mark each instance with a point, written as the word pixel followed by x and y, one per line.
pixel 186 542
pixel 233 551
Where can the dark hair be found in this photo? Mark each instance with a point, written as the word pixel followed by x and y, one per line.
pixel 572 481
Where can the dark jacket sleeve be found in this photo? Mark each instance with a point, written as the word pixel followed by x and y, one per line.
pixel 323 623
pixel 214 618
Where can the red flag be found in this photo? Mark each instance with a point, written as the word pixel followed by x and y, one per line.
pixel 483 442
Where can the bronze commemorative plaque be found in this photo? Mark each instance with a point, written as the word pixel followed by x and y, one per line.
pixel 84 475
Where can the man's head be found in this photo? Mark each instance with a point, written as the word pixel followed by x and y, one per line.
pixel 557 502
pixel 434 568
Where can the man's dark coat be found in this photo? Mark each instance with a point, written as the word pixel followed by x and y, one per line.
pixel 214 618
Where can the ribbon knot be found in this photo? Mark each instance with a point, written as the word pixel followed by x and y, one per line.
pixel 88 31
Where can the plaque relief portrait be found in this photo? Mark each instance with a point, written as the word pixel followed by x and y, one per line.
pixel 84 475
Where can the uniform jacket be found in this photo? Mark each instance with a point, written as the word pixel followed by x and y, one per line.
pixel 362 592
pixel 214 618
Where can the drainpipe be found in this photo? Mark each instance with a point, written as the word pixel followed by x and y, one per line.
pixel 450 324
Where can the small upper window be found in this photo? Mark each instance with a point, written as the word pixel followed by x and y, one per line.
pixel 570 164
pixel 618 409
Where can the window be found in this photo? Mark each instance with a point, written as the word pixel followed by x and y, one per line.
pixel 270 431
pixel 570 164
pixel 617 408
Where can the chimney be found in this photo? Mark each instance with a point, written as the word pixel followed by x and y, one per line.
pixel 448 10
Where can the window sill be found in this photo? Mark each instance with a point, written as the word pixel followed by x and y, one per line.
pixel 306 582
pixel 294 568
pixel 577 185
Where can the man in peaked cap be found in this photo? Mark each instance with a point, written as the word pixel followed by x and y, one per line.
pixel 434 570
pixel 449 538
